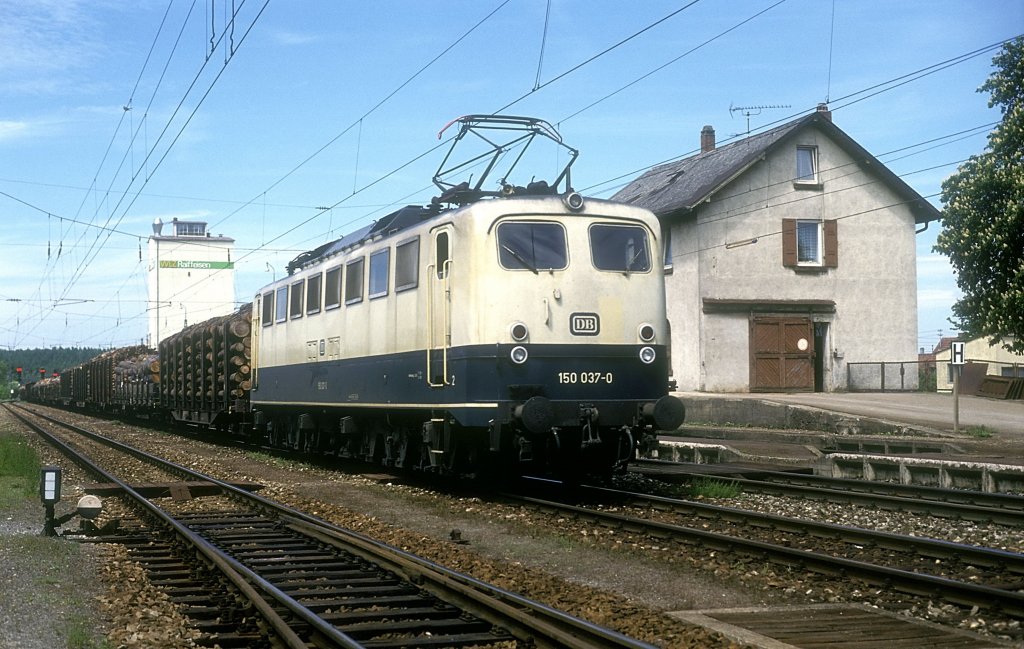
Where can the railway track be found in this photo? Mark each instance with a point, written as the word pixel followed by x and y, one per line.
pixel 1003 509
pixel 904 564
pixel 311 583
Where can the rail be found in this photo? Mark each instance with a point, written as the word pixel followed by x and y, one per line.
pixel 525 619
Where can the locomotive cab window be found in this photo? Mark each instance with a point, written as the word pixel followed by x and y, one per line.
pixel 332 288
pixel 532 246
pixel 281 305
pixel 295 296
pixel 354 282
pixel 268 308
pixel 379 262
pixel 623 248
pixel 313 294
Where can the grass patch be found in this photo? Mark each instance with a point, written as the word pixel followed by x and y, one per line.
pixel 80 634
pixel 19 470
pixel 979 432
pixel 714 488
pixel 273 460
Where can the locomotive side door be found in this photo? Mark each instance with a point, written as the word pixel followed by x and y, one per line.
pixel 439 325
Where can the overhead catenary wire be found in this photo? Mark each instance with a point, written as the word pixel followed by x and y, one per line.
pixel 83 266
pixel 284 234
pixel 369 112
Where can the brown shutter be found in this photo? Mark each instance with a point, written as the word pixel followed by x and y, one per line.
pixel 789 242
pixel 831 256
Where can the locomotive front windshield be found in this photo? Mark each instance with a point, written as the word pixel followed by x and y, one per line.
pixel 622 248
pixel 532 246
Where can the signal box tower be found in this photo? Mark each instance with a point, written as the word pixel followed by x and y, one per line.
pixel 191 277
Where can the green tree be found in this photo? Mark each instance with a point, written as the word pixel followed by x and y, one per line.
pixel 983 216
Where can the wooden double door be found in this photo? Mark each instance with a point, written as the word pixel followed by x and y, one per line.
pixel 782 354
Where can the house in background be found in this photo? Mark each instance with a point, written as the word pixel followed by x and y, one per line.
pixel 790 260
pixel 990 360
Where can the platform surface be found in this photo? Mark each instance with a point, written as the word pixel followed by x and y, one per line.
pixel 929 409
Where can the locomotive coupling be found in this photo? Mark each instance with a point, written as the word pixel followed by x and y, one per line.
pixel 667 413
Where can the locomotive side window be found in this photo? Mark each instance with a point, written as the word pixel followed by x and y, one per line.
pixel 354 282
pixel 379 262
pixel 622 248
pixel 532 246
pixel 295 296
pixel 407 265
pixel 441 255
pixel 313 294
pixel 332 288
pixel 268 308
pixel 281 305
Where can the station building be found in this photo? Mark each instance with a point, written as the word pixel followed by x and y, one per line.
pixel 790 261
pixel 191 277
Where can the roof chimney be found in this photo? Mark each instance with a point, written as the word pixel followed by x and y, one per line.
pixel 707 139
pixel 824 111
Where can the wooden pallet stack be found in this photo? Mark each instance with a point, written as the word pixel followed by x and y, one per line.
pixel 1001 387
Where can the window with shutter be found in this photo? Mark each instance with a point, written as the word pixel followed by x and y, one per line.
pixel 810 243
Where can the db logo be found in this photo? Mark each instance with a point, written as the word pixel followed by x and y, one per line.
pixel 584 324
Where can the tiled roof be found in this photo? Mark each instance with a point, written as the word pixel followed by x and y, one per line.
pixel 678 187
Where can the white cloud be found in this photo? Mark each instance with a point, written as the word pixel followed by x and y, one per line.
pixel 294 38
pixel 934 266
pixel 10 129
pixel 937 297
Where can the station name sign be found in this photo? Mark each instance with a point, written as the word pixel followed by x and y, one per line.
pixel 197 265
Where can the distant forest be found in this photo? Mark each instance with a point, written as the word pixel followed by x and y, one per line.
pixel 52 360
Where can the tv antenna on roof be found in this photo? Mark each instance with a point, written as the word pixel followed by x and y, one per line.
pixel 753 110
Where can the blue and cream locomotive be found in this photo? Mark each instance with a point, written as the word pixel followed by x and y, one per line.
pixel 519 330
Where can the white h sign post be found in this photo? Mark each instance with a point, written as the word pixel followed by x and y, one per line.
pixel 957 360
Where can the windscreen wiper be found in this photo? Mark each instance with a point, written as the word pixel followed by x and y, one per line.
pixel 521 259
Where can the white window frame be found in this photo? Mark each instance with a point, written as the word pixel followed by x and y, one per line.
pixel 380 269
pixel 804 226
pixel 355 283
pixel 281 304
pixel 807 180
pixel 296 299
pixel 407 264
pixel 313 301
pixel 333 300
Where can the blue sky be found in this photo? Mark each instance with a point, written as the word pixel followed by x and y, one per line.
pixel 304 105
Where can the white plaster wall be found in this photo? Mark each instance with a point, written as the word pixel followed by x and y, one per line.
pixel 192 294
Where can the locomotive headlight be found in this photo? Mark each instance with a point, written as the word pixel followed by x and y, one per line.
pixel 647 355
pixel 573 201
pixel 519 354
pixel 519 332
pixel 646 332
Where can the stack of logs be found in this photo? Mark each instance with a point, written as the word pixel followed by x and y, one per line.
pixel 206 368
pixel 99 382
pixel 136 378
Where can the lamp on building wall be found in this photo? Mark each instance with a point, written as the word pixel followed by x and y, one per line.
pixel 737 244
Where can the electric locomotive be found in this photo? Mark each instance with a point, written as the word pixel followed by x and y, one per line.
pixel 518 330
